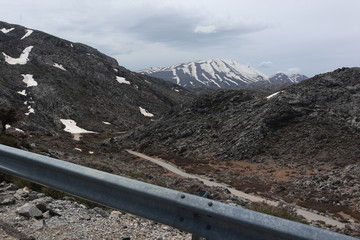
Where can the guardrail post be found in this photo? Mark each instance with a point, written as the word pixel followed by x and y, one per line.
pixel 202 193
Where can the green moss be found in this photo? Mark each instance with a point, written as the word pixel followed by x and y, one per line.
pixel 276 211
pixel 7 140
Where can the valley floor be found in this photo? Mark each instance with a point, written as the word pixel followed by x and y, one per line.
pixel 319 189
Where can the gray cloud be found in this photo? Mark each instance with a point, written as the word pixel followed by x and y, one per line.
pixel 185 31
pixel 146 33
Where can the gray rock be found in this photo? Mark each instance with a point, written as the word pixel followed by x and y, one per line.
pixel 29 210
pixel 11 187
pixel 47 215
pixel 39 224
pixel 8 200
pixel 22 193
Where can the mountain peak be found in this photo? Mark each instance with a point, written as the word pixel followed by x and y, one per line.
pixel 213 73
pixel 284 78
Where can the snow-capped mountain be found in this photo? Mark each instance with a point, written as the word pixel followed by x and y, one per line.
pixel 210 73
pixel 283 78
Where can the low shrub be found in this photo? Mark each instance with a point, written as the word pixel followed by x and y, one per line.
pixel 8 141
pixel 277 211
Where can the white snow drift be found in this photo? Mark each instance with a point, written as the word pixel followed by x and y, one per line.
pixel 273 95
pixel 23 59
pixel 70 126
pixel 145 112
pixel 29 80
pixel 122 80
pixel 23 92
pixel 4 30
pixel 59 66
pixel 28 33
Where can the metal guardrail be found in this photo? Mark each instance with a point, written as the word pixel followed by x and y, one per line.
pixel 197 215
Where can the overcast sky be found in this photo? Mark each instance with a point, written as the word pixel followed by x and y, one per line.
pixel 306 36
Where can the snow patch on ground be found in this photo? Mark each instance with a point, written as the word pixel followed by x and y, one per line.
pixel 31 110
pixel 71 127
pixel 29 80
pixel 23 92
pixel 59 66
pixel 107 123
pixel 23 59
pixel 273 95
pixel 145 112
pixel 91 152
pixel 7 126
pixel 28 33
pixel 78 149
pixel 4 30
pixel 122 80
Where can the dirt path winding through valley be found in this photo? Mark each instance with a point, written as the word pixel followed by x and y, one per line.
pixel 307 214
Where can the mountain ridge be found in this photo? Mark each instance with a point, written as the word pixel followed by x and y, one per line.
pixel 75 81
pixel 218 73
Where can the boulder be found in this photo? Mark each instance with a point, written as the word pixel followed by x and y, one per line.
pixel 29 210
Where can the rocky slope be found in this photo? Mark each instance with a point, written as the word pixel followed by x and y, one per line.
pixel 300 145
pixel 317 119
pixel 48 79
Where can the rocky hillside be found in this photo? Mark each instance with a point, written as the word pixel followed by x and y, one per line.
pixel 317 120
pixel 211 73
pixel 48 79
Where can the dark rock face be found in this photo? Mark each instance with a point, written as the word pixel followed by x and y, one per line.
pixel 317 119
pixel 75 81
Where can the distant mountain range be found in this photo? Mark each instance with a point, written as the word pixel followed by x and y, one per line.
pixel 219 73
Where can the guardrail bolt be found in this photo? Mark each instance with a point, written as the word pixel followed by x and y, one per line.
pixel 182 196
pixel 210 204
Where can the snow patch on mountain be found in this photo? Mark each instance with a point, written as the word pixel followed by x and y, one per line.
pixel 28 33
pixel 23 92
pixel 122 80
pixel 4 30
pixel 71 127
pixel 22 60
pixel 145 112
pixel 273 95
pixel 29 80
pixel 59 66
